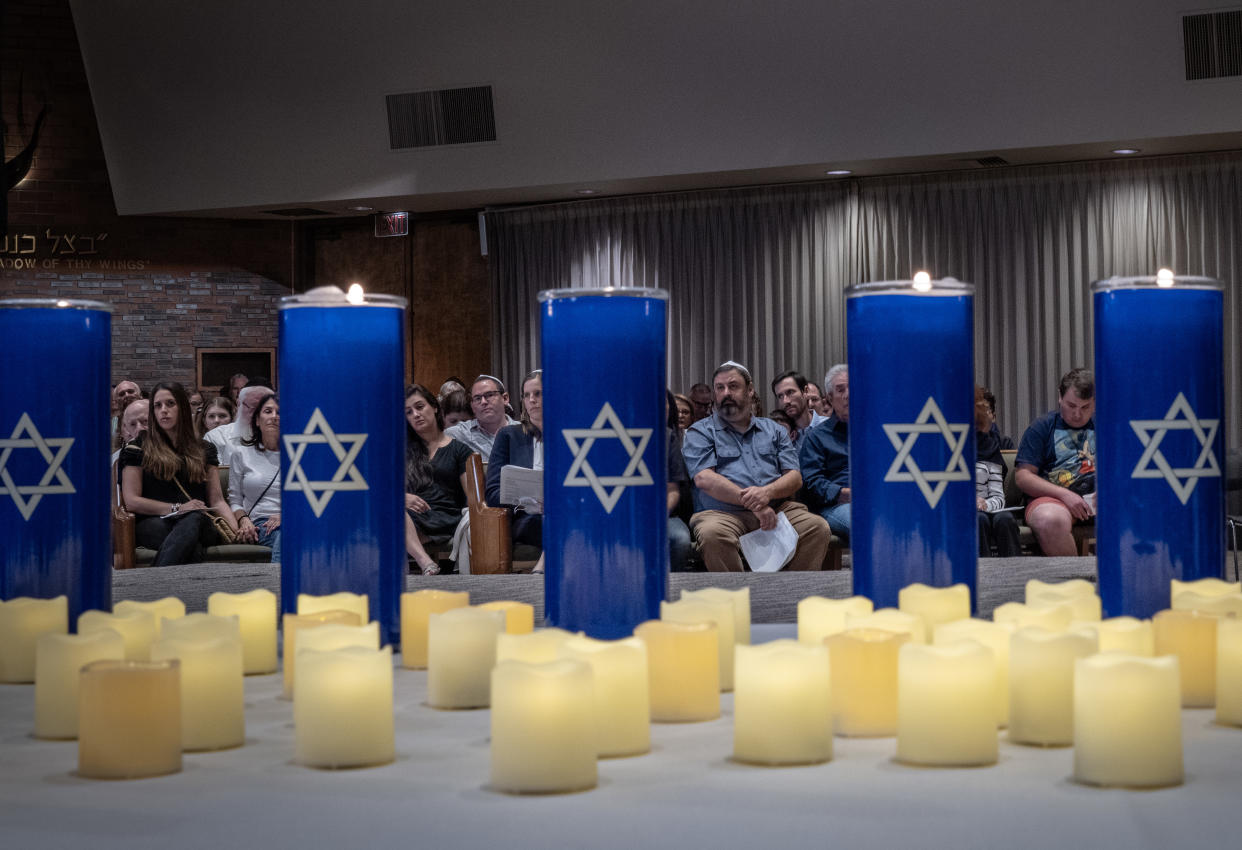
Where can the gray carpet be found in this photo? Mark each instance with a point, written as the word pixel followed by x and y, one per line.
pixel 773 596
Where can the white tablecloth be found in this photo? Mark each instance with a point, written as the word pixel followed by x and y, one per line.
pixel 685 793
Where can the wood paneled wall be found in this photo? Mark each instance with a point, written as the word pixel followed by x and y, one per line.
pixel 437 268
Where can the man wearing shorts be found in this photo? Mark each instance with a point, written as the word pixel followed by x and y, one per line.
pixel 1056 465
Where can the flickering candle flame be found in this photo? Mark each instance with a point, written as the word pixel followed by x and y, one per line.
pixel 922 281
pixel 355 294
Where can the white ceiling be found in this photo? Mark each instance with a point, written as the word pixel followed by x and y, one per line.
pixel 231 108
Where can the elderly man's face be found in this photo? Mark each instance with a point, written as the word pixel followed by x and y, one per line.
pixel 839 396
pixel 732 393
pixel 236 384
pixel 134 420
pixel 124 394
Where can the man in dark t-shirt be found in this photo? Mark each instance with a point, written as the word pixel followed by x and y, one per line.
pixel 1056 465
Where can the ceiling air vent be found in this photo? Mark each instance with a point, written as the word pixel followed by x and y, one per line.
pixel 297 212
pixel 1213 44
pixel 992 161
pixel 441 117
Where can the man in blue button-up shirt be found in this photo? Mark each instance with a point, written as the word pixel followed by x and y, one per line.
pixel 745 469
pixel 825 456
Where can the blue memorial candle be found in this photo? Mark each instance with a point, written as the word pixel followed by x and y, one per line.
pixel 912 436
pixel 1160 401
pixel 342 426
pixel 605 531
pixel 55 500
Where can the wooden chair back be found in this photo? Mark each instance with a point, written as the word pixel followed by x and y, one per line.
pixel 491 549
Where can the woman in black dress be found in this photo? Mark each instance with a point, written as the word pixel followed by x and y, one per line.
pixel 170 483
pixel 435 476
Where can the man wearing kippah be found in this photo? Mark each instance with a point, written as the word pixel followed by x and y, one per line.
pixel 746 470
pixel 487 399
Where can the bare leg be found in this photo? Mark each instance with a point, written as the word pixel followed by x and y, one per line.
pixel 414 548
pixel 1053 527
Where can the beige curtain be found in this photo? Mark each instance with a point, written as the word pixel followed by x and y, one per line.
pixel 758 275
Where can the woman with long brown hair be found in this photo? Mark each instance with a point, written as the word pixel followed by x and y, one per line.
pixel 435 476
pixel 170 483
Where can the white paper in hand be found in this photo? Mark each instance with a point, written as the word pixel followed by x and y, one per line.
pixel 768 551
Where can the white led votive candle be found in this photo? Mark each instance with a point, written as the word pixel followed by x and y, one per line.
pixel 543 727
pixel 1127 721
pixel 256 614
pixel 782 704
pixel 820 617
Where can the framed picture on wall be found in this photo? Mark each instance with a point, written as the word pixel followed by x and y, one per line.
pixel 217 365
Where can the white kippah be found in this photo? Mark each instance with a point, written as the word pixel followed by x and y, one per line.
pixel 732 364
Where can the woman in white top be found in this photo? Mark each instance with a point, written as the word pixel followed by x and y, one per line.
pixel 254 477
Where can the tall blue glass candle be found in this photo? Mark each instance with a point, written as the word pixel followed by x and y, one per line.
pixel 1160 402
pixel 54 445
pixel 343 429
pixel 912 436
pixel 605 530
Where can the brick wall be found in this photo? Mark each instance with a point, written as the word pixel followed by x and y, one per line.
pixel 179 283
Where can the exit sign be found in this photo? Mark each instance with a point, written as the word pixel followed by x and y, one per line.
pixel 392 224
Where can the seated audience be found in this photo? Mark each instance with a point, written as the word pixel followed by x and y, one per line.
pixel 1056 465
pixel 254 478
pixel 815 398
pixel 756 403
pixel 435 477
pixel 521 445
pixel 227 438
pixel 701 398
pixel 196 403
pixel 685 412
pixel 825 457
pixel 679 545
pixel 169 481
pixel 997 527
pixel 746 470
pixel 456 407
pixel 219 411
pixel 133 423
pixel 790 391
pixel 1004 440
pixel 453 384
pixel 233 388
pixel 489 402
pixel 780 418
pixel 122 394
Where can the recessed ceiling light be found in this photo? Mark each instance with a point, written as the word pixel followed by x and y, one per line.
pixel 586 191
pixel 362 209
pixel 1125 151
pixel 838 172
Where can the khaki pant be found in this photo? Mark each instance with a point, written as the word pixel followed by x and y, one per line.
pixel 718 533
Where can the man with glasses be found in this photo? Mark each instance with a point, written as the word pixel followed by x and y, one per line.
pixel 488 400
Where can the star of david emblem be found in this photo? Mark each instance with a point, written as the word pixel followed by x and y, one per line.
pixel 903 435
pixel 346 477
pixel 581 473
pixel 1151 431
pixel 44 445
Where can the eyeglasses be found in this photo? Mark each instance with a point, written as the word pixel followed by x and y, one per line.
pixel 487 396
